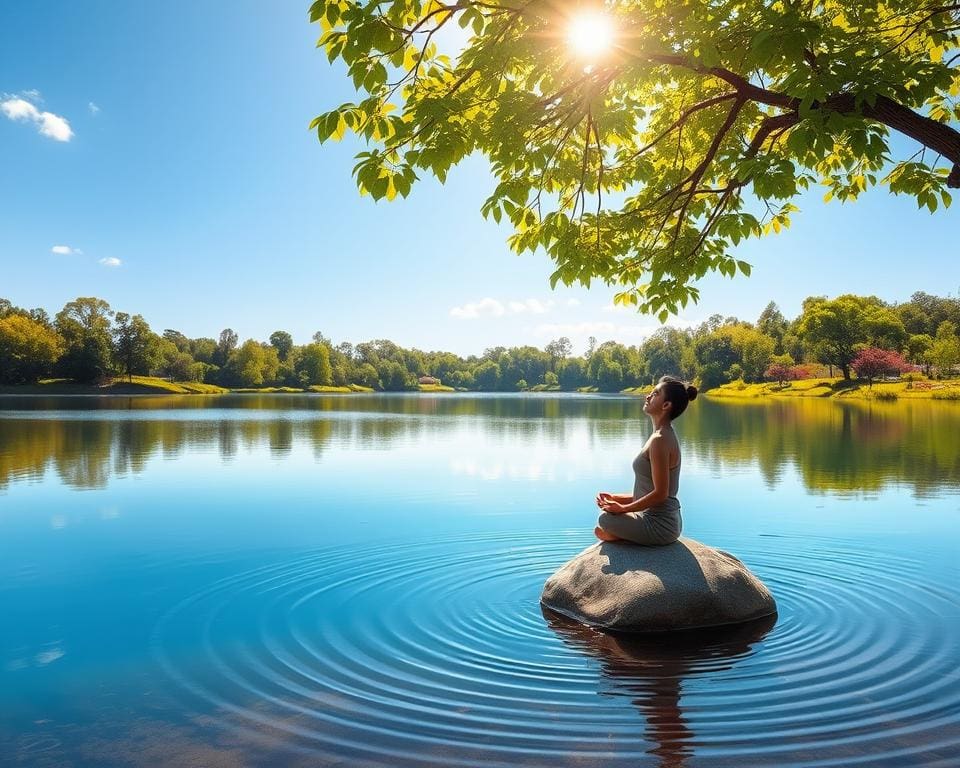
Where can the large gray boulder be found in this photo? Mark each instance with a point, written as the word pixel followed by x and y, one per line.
pixel 685 585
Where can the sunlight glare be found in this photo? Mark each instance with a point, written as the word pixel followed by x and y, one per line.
pixel 590 34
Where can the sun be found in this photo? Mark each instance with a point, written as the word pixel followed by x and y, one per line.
pixel 590 34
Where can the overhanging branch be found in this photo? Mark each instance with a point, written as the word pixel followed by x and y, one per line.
pixel 940 137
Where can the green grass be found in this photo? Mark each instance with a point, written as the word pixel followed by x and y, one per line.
pixel 324 389
pixel 436 388
pixel 152 385
pixel 889 391
pixel 138 385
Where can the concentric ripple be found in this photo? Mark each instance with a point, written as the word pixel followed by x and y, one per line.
pixel 439 654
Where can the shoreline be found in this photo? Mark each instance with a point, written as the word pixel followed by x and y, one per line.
pixel 830 389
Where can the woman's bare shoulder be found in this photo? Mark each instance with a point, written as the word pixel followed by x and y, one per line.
pixel 665 440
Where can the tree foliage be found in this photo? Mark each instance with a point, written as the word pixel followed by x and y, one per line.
pixel 836 329
pixel 28 349
pixel 643 167
pixel 84 325
pixel 136 348
pixel 719 350
pixel 873 362
pixel 944 352
pixel 781 369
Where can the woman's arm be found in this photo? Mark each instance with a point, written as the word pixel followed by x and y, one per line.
pixel 659 454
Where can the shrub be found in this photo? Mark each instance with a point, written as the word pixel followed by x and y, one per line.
pixel 734 372
pixel 950 394
pixel 873 362
pixel 783 369
pixel 885 395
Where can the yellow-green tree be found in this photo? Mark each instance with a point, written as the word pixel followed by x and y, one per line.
pixel 313 365
pixel 28 349
pixel 944 353
pixel 253 364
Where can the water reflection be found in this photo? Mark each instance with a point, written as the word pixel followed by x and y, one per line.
pixel 837 447
pixel 652 670
pixel 846 447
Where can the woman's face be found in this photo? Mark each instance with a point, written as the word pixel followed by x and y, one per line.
pixel 654 402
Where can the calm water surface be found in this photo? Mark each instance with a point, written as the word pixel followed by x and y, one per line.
pixel 286 580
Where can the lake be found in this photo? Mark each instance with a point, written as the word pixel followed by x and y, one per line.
pixel 248 580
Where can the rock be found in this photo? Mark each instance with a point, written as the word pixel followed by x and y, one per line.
pixel 629 588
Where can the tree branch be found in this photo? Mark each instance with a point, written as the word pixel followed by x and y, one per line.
pixel 939 137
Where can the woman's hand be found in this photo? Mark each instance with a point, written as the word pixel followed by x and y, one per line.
pixel 612 498
pixel 606 502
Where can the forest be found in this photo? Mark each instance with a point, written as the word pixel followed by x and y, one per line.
pixel 863 336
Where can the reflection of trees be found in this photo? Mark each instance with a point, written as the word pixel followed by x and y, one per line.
pixel 596 407
pixel 86 451
pixel 651 670
pixel 847 447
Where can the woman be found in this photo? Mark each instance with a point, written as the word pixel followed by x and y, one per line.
pixel 651 515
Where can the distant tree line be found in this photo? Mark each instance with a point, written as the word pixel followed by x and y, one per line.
pixel 87 341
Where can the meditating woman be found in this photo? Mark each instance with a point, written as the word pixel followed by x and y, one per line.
pixel 651 514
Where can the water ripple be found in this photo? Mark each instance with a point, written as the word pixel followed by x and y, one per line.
pixel 439 654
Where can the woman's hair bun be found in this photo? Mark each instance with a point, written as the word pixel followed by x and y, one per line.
pixel 691 392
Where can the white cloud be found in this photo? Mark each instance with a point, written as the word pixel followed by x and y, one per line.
pixel 65 250
pixel 488 307
pixel 94 109
pixel 573 302
pixel 49 124
pixel 110 261
pixel 55 127
pixel 18 109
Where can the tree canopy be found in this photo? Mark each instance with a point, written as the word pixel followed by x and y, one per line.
pixel 642 165
pixel 91 343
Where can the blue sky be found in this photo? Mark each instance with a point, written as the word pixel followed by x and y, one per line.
pixel 166 146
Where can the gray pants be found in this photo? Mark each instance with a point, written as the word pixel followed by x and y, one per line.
pixel 642 527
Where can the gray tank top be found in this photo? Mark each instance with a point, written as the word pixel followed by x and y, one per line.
pixel 643 484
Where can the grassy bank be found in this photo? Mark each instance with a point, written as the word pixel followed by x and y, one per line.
pixel 738 390
pixel 139 385
pixel 151 385
pixel 845 390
